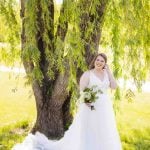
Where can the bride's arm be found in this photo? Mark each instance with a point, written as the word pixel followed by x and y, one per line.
pixel 113 83
pixel 84 80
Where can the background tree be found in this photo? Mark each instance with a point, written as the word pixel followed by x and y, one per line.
pixel 58 44
pixel 9 32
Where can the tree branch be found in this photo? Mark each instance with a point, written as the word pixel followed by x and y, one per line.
pixel 91 43
pixel 28 65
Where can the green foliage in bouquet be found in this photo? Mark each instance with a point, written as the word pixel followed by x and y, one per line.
pixel 89 95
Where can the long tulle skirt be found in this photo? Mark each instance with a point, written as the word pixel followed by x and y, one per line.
pixel 90 130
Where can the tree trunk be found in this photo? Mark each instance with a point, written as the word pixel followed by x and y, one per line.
pixel 49 120
pixel 52 112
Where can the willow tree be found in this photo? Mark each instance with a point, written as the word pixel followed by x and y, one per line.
pixel 57 46
pixel 51 55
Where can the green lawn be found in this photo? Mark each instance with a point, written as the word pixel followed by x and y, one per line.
pixel 17 109
pixel 16 100
pixel 17 115
pixel 134 123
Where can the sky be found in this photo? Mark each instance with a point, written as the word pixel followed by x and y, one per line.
pixel 59 1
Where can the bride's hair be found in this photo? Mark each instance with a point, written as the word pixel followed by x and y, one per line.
pixel 93 61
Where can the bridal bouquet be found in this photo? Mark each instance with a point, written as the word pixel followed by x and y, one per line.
pixel 89 95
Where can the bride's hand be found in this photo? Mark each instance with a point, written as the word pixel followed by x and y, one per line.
pixel 107 68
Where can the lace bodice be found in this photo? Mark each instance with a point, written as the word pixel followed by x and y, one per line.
pixel 101 84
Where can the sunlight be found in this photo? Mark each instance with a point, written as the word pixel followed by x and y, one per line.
pixel 59 1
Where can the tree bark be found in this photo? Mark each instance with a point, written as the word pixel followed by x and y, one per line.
pixel 50 120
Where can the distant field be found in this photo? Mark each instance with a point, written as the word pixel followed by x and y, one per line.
pixel 17 115
pixel 16 100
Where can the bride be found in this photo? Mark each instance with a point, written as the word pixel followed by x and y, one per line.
pixel 91 129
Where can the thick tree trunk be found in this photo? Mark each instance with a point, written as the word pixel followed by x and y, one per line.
pixel 52 98
pixel 50 120
pixel 52 112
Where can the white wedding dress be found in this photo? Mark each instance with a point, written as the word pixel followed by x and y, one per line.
pixel 90 130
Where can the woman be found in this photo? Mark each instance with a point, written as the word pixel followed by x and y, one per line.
pixel 91 129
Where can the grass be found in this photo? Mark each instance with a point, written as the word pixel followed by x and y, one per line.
pixel 133 123
pixel 16 102
pixel 11 134
pixel 17 115
pixel 17 110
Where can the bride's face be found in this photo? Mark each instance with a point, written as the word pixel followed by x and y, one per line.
pixel 99 62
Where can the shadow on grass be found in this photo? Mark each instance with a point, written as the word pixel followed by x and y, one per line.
pixel 12 134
